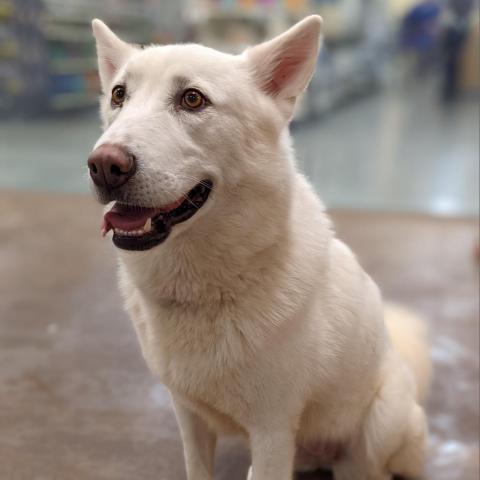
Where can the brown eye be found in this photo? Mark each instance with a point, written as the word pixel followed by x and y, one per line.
pixel 118 95
pixel 193 100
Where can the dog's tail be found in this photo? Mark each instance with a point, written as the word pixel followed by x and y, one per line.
pixel 409 337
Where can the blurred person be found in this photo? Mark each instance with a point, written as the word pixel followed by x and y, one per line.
pixel 456 29
pixel 420 32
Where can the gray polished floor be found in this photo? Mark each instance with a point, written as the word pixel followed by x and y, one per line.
pixel 399 150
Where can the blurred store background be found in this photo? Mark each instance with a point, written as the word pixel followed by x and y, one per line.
pixel 388 132
pixel 390 120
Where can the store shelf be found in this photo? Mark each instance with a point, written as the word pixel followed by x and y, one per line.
pixel 47 50
pixel 6 9
pixel 73 100
pixel 68 33
pixel 73 65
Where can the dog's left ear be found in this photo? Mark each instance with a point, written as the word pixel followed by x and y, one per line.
pixel 112 53
pixel 284 66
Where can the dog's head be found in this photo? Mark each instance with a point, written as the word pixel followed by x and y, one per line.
pixel 185 125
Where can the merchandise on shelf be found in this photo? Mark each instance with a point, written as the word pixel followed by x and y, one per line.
pixel 47 51
pixel 354 44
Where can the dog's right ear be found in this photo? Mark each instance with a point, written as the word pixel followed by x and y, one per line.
pixel 112 53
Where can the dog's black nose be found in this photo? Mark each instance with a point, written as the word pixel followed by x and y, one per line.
pixel 111 166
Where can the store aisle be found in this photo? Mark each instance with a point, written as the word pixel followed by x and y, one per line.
pixel 397 151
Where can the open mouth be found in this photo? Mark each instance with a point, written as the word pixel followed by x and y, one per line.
pixel 141 228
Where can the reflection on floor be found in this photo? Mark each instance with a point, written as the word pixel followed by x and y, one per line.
pixel 397 151
pixel 77 400
pixel 400 151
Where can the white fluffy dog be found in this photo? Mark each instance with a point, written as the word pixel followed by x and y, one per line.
pixel 258 320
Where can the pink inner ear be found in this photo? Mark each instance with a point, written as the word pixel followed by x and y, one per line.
pixel 284 64
pixel 285 71
pixel 109 67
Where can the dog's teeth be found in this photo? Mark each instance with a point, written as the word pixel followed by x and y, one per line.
pixel 130 233
pixel 148 226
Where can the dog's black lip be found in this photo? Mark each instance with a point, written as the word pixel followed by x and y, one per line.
pixel 163 223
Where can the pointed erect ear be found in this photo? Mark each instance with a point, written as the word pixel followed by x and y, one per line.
pixel 112 52
pixel 284 66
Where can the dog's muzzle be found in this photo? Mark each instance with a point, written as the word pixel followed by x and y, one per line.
pixel 136 227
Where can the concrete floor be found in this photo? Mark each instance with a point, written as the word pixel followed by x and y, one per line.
pixel 77 401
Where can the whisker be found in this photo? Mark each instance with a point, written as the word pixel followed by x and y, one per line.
pixel 189 177
pixel 189 201
pixel 185 196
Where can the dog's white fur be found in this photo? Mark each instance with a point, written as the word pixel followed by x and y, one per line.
pixel 257 319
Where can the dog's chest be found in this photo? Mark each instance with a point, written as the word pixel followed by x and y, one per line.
pixel 198 354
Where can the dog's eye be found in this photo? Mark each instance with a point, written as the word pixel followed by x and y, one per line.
pixel 118 95
pixel 192 100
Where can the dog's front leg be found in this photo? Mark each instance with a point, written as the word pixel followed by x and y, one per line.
pixel 273 454
pixel 198 443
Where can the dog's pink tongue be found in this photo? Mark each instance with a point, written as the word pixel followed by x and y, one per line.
pixel 126 218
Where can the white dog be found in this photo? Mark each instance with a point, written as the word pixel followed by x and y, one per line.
pixel 257 319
